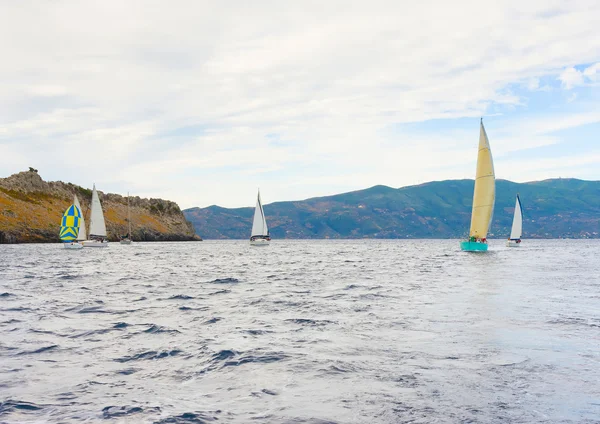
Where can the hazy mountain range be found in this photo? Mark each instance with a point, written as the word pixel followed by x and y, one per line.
pixel 441 209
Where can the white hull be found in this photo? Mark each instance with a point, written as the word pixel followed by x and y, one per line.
pixel 512 243
pixel 95 243
pixel 126 241
pixel 73 246
pixel 259 242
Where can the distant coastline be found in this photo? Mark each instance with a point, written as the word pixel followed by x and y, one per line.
pixel 552 209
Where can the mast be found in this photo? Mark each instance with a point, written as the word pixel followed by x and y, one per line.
pixel 128 217
pixel 484 193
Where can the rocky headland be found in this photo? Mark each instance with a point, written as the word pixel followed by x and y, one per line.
pixel 31 209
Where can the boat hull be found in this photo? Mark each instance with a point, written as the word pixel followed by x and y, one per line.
pixel 73 246
pixel 126 241
pixel 259 242
pixel 473 246
pixel 513 243
pixel 95 243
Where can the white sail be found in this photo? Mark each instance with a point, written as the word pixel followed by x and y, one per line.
pixel 517 225
pixel 259 225
pixel 82 232
pixel 97 225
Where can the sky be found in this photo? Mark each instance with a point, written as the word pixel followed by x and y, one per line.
pixel 204 102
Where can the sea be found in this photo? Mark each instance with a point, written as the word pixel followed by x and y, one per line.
pixel 307 331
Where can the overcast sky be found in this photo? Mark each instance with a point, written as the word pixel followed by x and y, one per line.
pixel 204 102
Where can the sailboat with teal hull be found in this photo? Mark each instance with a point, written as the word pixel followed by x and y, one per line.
pixel 484 197
pixel 69 228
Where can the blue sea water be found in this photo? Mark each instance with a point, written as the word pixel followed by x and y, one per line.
pixel 409 331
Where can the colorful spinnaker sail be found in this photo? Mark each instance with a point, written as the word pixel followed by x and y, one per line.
pixel 70 223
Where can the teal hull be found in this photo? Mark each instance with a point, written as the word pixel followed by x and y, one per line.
pixel 473 246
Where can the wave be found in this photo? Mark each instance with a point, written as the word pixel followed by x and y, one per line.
pixel 228 280
pixel 18 309
pixel 149 355
pixel 92 333
pixel 109 412
pixel 591 322
pixel 88 310
pixel 310 322
pixel 12 405
pixel 212 320
pixel 156 329
pixel 98 309
pixel 220 292
pixel 181 297
pixel 6 294
pixel 40 350
pixel 257 332
pixel 189 417
pixel 120 325
pixel 189 308
pixel 128 371
pixel 231 358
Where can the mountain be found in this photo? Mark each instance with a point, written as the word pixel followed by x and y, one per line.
pixel 31 209
pixel 441 209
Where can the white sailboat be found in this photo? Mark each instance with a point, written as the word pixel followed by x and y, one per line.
pixel 484 197
pixel 126 239
pixel 97 225
pixel 260 233
pixel 517 226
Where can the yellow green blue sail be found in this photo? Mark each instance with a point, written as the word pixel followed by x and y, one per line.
pixel 70 223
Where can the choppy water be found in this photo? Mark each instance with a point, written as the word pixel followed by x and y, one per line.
pixel 301 332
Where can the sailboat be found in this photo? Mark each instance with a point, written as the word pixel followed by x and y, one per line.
pixel 484 196
pixel 260 233
pixel 82 232
pixel 97 225
pixel 517 226
pixel 126 239
pixel 69 227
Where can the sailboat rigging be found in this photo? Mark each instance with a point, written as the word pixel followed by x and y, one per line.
pixel 126 239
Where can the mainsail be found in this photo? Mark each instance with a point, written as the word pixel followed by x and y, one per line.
pixel 259 225
pixel 484 194
pixel 517 225
pixel 82 232
pixel 97 225
pixel 69 225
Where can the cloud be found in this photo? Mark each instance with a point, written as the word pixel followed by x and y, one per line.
pixel 571 78
pixel 181 101
pixel 593 72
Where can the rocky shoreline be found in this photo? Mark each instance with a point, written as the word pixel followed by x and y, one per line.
pixel 30 211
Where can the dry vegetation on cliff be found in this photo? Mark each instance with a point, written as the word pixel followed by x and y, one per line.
pixel 31 208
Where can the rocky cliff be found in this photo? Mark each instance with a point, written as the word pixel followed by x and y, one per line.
pixel 31 209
